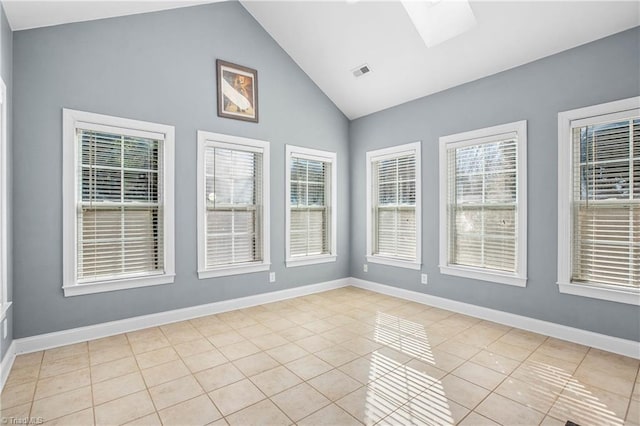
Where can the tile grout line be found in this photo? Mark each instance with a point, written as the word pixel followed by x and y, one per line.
pixel 635 384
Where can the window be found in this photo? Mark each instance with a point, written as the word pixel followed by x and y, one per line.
pixel 483 204
pixel 311 206
pixel 599 201
pixel 4 302
pixel 393 206
pixel 118 203
pixel 233 205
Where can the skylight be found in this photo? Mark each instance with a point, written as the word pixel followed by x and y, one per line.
pixel 440 20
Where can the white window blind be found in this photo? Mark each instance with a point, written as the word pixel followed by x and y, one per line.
pixel 482 204
pixel 394 206
pixel 120 230
pixel 234 210
pixel 606 203
pixel 309 203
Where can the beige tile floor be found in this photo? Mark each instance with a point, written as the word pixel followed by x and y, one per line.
pixel 343 357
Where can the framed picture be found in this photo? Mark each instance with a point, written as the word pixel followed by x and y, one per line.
pixel 237 91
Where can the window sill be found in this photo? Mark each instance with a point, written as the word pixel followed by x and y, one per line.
pixel 627 296
pixel 310 260
pixel 3 310
pixel 399 263
pixel 233 270
pixel 113 285
pixel 484 275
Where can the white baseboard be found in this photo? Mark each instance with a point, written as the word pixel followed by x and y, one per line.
pixel 7 363
pixel 628 348
pixel 81 334
pixel 617 345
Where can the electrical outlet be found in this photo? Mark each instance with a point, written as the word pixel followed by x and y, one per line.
pixel 272 277
pixel 365 267
pixel 424 279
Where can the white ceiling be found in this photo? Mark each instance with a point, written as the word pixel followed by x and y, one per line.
pixel 27 14
pixel 329 39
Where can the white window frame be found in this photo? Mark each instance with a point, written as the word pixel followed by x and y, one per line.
pixel 475 137
pixel 588 115
pixel 377 155
pixel 4 291
pixel 325 157
pixel 206 139
pixel 72 120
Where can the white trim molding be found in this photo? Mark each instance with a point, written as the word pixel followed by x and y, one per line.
pixel 622 109
pixel 82 334
pixel 517 130
pixel 73 120
pixel 76 335
pixel 391 261
pixel 413 148
pixel 4 247
pixel 617 345
pixel 331 182
pixel 207 140
pixel 7 363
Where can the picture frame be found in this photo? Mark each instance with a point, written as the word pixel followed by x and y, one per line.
pixel 237 91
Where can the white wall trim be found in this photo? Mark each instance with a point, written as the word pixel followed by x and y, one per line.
pixel 7 363
pixel 392 261
pixel 331 182
pixel 621 109
pixel 517 130
pixel 217 140
pixel 629 296
pixel 617 345
pixel 81 334
pixel 413 148
pixel 4 267
pixel 73 120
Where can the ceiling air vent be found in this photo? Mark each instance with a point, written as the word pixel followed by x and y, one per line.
pixel 361 70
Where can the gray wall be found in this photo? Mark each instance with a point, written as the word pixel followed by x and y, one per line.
pixel 602 71
pixel 157 67
pixel 6 70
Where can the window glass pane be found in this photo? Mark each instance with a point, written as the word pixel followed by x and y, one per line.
pixel 140 153
pixel 316 194
pixel 483 184
pixel 388 193
pixel 606 206
pixel 408 192
pixel 387 170
pixel 243 192
pixel 101 185
pixel 298 194
pixel 605 181
pixel 298 169
pixel 141 186
pixel 309 217
pixel 407 168
pixel 232 218
pixel 395 197
pixel 100 149
pixel 119 223
pixel 316 171
pixel 119 241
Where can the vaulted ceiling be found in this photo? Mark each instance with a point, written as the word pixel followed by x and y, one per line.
pixel 328 39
